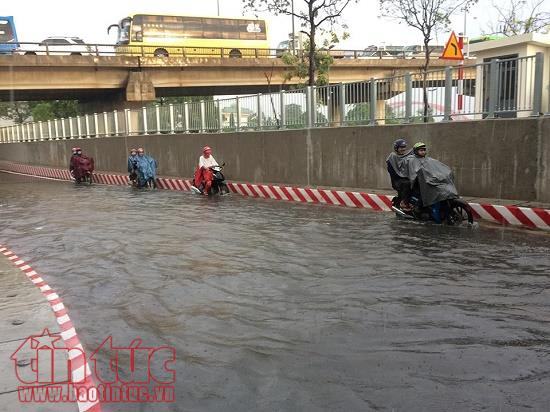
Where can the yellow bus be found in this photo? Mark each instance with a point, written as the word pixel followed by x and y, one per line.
pixel 191 36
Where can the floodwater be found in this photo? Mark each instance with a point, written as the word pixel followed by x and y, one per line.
pixel 276 306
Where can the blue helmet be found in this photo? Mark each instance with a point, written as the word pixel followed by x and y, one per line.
pixel 399 143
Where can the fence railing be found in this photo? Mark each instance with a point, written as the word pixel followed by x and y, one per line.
pixel 31 48
pixel 499 88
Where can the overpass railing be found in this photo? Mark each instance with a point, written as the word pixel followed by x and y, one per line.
pixel 500 88
pixel 45 49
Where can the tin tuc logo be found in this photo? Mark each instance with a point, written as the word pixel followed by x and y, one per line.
pixel 51 372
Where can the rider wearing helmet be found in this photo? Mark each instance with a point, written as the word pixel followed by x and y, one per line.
pixel 413 166
pixel 203 174
pixel 132 165
pixel 146 168
pixel 80 165
pixel 397 168
pixel 419 149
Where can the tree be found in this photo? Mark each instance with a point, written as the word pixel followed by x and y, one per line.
pixel 427 16
pixel 317 16
pixel 57 109
pixel 18 112
pixel 520 17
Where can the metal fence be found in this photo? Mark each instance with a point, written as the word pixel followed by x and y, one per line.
pixel 499 88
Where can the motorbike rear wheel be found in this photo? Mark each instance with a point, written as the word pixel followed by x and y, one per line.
pixel 459 211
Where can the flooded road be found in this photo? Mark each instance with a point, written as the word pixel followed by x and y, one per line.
pixel 282 306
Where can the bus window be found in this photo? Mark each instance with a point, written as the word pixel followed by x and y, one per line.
pixel 124 33
pixel 6 32
pixel 192 27
pixel 211 28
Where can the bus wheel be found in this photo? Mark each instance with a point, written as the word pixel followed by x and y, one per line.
pixel 161 53
pixel 235 54
pixel 30 54
pixel 76 54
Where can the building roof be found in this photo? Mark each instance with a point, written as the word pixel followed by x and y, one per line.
pixel 529 38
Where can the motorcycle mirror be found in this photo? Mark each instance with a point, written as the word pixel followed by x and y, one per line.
pixel 223 164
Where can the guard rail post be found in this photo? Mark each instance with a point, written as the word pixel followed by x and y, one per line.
pixel 220 116
pixel 186 114
pixel 203 116
pixel 128 121
pixel 372 102
pixel 282 119
pixel 96 125
pixel 172 122
pixel 238 119
pixel 50 135
pixel 115 121
pixel 308 107
pixel 41 131
pixel 537 84
pixel 408 98
pixel 157 117
pixel 145 125
pixel 79 126
pixel 493 89
pixel 448 94
pixel 106 123
pixel 259 110
pixel 87 120
pixel 63 128
pixel 56 129
pixel 342 104
pixel 71 127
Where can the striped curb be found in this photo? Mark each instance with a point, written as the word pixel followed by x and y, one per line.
pixel 535 218
pixel 80 370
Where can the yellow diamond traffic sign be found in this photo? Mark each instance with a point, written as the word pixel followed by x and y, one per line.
pixel 452 49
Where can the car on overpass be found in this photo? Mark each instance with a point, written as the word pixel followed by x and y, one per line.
pixel 57 46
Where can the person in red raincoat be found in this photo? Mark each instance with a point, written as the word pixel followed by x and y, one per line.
pixel 203 174
pixel 81 165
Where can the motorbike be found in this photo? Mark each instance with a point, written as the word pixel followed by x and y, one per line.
pixel 434 195
pixel 219 187
pixel 451 211
pixel 85 178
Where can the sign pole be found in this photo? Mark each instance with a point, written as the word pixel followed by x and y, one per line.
pixel 460 84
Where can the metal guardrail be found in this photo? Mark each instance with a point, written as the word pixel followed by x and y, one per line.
pixel 31 48
pixel 500 88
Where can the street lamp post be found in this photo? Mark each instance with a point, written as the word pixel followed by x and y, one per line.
pixel 293 30
pixel 218 1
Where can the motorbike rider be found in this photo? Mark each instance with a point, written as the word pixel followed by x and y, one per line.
pixel 132 165
pixel 397 168
pixel 146 168
pixel 80 164
pixel 203 174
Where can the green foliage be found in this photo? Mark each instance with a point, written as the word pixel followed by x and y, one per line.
pixel 358 115
pixel 315 17
pixel 18 112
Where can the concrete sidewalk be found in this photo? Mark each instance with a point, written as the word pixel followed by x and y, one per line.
pixel 23 312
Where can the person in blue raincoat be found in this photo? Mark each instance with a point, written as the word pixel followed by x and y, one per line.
pixel 146 168
pixel 132 160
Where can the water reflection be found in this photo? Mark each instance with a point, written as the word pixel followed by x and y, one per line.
pixel 278 306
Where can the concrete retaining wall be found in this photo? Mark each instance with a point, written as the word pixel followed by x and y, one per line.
pixel 504 158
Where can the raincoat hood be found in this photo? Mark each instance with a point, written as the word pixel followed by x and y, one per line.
pixel 435 179
pixel 399 162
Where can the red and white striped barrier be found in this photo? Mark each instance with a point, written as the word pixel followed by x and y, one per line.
pixel 80 370
pixel 535 218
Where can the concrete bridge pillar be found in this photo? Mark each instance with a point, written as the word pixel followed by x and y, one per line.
pixel 140 88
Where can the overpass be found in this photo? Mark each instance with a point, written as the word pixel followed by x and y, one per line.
pixel 128 81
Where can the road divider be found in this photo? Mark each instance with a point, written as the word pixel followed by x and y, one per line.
pixel 534 218
pixel 79 367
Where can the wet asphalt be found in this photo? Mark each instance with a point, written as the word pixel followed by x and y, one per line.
pixel 288 307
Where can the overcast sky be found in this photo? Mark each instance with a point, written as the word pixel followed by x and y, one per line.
pixel 38 19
